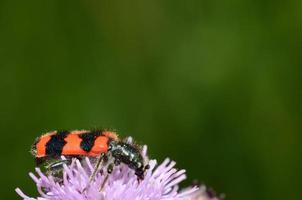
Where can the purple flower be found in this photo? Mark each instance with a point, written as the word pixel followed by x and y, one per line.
pixel 160 183
pixel 204 193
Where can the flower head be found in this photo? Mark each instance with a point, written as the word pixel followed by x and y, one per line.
pixel 160 183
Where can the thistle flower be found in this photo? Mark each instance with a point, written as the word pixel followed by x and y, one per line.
pixel 204 193
pixel 160 183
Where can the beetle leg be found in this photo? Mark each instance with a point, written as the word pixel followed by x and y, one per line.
pixel 109 171
pixel 99 163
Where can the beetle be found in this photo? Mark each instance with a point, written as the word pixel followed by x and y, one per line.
pixel 100 144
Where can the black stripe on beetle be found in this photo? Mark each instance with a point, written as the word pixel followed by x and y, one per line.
pixel 88 140
pixel 56 143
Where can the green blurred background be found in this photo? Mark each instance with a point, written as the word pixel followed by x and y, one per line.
pixel 214 85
